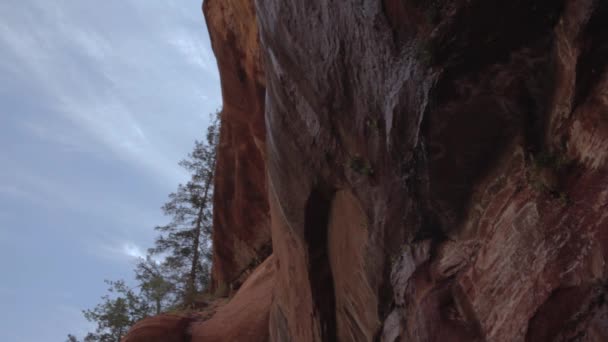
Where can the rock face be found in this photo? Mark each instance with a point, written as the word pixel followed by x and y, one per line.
pixel 437 170
pixel 244 317
pixel 163 328
pixel 241 233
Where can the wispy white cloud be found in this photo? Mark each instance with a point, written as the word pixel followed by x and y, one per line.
pixel 90 43
pixel 94 104
pixel 99 103
pixel 194 51
pixel 117 251
pixel 25 185
pixel 63 136
pixel 42 191
pixel 133 251
pixel 14 191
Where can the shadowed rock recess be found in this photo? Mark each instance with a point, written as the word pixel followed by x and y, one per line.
pixel 426 171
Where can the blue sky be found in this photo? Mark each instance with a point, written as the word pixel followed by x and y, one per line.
pixel 99 101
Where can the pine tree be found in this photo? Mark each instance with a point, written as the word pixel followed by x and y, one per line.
pixel 71 338
pixel 117 312
pixel 183 245
pixel 185 240
pixel 155 287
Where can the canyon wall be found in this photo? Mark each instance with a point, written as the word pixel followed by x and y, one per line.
pixel 437 169
pixel 241 227
pixel 426 170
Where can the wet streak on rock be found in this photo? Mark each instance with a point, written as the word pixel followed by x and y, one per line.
pixel 319 267
pixel 594 52
pixel 481 32
pixel 567 315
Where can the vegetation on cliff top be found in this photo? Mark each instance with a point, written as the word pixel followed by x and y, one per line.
pixel 177 268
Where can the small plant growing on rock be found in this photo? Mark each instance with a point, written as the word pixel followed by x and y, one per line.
pixel 426 52
pixel 553 161
pixel 395 259
pixel 433 12
pixel 564 199
pixel 361 166
pixel 543 175
pixel 431 8
pixel 372 124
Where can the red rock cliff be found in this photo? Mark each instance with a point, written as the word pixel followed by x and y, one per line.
pixel 241 235
pixel 437 170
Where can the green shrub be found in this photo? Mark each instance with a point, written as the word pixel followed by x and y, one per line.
pixel 425 54
pixel 361 166
pixel 545 159
pixel 544 173
pixel 564 198
pixel 372 123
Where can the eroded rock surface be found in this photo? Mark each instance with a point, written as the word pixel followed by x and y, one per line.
pixel 241 233
pixel 243 317
pixel 162 328
pixel 476 127
pixel 437 170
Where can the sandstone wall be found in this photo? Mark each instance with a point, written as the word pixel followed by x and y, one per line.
pixel 241 234
pixel 472 138
pixel 437 170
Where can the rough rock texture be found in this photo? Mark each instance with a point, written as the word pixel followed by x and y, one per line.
pixel 437 170
pixel 243 317
pixel 241 235
pixel 162 328
pixel 459 150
